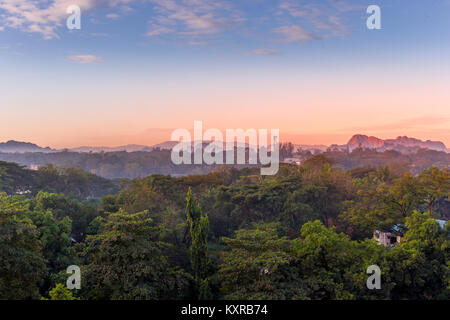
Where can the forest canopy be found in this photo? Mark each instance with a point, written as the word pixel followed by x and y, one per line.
pixel 305 233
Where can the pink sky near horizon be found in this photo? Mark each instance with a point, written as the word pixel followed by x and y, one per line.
pixel 158 135
pixel 308 104
pixel 310 114
pixel 312 106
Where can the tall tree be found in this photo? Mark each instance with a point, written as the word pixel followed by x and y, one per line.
pixel 22 264
pixel 254 266
pixel 436 185
pixel 126 261
pixel 420 263
pixel 199 228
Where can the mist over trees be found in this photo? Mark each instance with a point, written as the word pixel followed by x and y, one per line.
pixel 116 165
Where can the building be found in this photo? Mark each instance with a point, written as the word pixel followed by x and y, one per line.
pixel 391 237
pixel 296 161
pixel 387 238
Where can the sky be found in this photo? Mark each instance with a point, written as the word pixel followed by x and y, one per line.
pixel 138 69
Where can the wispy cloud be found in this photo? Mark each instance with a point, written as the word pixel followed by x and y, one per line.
pixel 156 30
pixel 37 16
pixel 295 33
pixel 85 59
pixel 193 18
pixel 196 21
pixel 198 43
pixel 264 52
pixel 112 16
pixel 314 20
pixel 42 16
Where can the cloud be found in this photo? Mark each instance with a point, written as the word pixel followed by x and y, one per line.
pixel 156 30
pixel 326 18
pixel 85 59
pixel 264 52
pixel 112 16
pixel 42 16
pixel 37 16
pixel 197 43
pixel 295 33
pixel 193 18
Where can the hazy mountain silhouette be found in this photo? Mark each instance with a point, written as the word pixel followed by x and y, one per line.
pixel 22 147
pixel 402 144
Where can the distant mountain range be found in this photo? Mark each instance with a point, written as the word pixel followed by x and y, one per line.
pixel 127 148
pixel 22 147
pixel 315 148
pixel 168 145
pixel 401 144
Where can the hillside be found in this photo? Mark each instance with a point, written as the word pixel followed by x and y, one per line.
pixel 21 147
pixel 401 144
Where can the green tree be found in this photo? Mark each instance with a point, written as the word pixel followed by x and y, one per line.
pixel 420 263
pixel 22 265
pixel 436 185
pixel 329 188
pixel 126 260
pixel 80 214
pixel 55 237
pixel 60 292
pixel 329 264
pixel 382 202
pixel 199 228
pixel 252 265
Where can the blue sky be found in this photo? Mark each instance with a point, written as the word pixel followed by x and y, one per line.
pixel 139 64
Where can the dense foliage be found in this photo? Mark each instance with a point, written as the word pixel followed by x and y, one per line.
pixel 305 233
pixel 72 181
